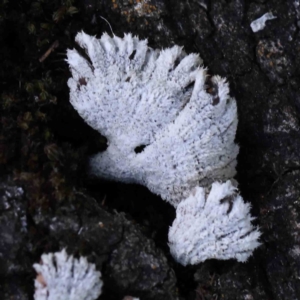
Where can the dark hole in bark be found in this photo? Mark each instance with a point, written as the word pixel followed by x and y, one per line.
pixel 139 149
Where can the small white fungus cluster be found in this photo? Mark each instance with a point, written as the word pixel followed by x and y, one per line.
pixel 170 127
pixel 63 277
pixel 213 225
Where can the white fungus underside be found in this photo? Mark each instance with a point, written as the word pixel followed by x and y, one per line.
pixel 214 225
pixel 134 96
pixel 183 123
pixel 66 278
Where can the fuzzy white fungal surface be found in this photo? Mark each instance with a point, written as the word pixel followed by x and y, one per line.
pixel 63 277
pixel 214 224
pixel 169 125
pixel 260 23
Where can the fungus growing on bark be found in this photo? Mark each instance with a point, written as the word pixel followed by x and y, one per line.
pixel 63 277
pixel 213 224
pixel 169 127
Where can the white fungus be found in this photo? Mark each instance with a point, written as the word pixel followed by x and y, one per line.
pixel 260 23
pixel 169 125
pixel 63 277
pixel 213 225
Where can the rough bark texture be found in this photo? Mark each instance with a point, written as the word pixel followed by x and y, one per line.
pixel 44 144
